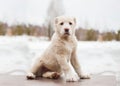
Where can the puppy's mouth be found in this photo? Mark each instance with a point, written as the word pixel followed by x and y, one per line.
pixel 66 33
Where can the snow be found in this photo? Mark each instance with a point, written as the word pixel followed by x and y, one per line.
pixel 17 53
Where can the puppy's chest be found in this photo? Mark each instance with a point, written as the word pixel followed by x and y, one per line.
pixel 69 47
pixel 65 48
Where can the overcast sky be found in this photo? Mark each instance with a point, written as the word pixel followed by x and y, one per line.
pixel 100 14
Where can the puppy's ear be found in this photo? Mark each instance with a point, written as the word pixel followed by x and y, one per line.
pixel 55 23
pixel 56 20
pixel 74 19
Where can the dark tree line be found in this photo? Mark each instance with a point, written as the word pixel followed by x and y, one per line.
pixel 94 35
pixel 35 30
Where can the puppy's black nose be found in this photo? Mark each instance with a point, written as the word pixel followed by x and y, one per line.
pixel 66 30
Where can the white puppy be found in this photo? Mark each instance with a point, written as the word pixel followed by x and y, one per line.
pixel 62 51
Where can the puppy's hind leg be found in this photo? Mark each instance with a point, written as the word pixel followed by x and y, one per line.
pixel 34 70
pixel 51 75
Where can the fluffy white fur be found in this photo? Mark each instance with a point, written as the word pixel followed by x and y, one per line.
pixel 62 51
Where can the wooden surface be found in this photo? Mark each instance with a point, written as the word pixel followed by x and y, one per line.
pixel 9 80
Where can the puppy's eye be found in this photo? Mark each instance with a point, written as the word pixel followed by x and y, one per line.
pixel 70 23
pixel 61 23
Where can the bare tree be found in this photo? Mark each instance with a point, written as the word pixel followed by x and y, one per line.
pixel 55 9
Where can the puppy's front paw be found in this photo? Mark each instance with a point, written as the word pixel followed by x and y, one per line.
pixel 30 76
pixel 85 76
pixel 71 77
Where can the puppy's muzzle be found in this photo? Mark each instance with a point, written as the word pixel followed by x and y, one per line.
pixel 66 31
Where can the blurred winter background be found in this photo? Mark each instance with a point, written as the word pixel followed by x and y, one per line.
pixel 26 28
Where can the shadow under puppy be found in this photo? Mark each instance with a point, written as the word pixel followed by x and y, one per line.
pixel 60 54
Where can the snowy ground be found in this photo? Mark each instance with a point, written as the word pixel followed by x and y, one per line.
pixel 97 58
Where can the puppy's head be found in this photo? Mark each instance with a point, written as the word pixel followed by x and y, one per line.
pixel 65 26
